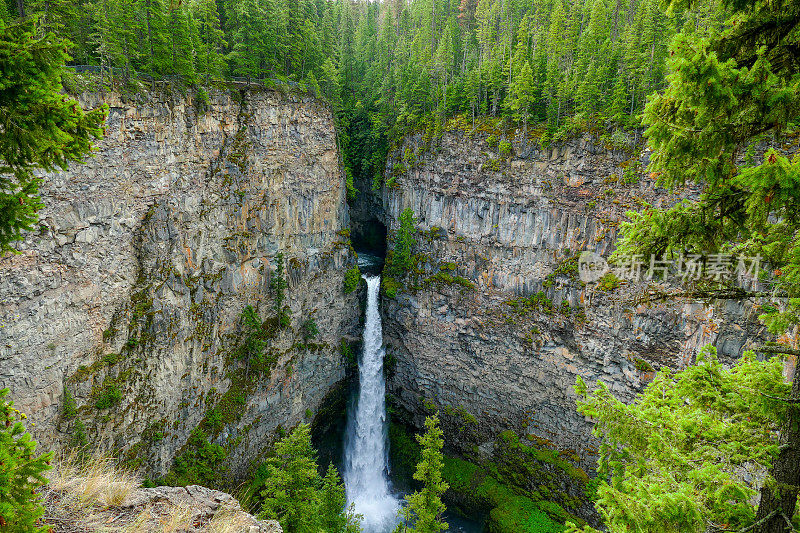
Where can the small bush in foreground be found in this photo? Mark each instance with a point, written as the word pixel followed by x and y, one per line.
pixel 21 473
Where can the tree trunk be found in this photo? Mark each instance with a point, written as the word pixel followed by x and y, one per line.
pixel 779 498
pixel 21 8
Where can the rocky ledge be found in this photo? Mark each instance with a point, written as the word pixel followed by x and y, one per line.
pixel 191 509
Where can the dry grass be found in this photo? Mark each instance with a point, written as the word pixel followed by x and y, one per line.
pixel 80 491
pixel 227 521
pixel 140 524
pixel 178 519
pixel 95 482
pixel 96 495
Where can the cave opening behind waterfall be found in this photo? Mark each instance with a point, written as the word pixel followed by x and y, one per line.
pixel 369 239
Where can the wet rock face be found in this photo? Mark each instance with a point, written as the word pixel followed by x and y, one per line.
pixel 513 226
pixel 130 296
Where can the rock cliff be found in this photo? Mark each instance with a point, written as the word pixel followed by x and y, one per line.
pixel 120 321
pixel 497 326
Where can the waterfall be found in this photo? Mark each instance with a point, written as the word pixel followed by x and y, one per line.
pixel 366 458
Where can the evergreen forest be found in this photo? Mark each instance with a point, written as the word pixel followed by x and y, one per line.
pixel 394 66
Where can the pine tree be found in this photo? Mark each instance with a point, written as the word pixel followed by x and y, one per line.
pixel 248 38
pixel 424 507
pixel 619 100
pixel 290 492
pixel 21 473
pixel 253 344
pixel 277 285
pixel 155 42
pixel 521 94
pixel 57 16
pixel 556 53
pixel 729 86
pixel 336 517
pixel 211 41
pixel 108 47
pixel 404 242
pixel 296 495
pixel 673 459
pixel 180 42
pixel 39 126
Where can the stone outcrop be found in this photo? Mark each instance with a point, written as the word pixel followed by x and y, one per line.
pixel 193 509
pixel 130 295
pixel 496 229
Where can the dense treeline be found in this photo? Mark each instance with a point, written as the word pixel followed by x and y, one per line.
pixel 393 65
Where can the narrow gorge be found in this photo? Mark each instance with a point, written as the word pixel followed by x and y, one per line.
pixel 126 318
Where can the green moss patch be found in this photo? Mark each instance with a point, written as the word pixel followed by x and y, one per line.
pixel 508 512
pixel 517 491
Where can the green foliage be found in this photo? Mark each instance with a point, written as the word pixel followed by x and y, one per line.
pixel 40 128
pixel 389 364
pixel 78 438
pixel 508 512
pixel 504 148
pixel 254 341
pixel 199 463
pixel 674 456
pixel 388 69
pixel 425 507
pixel 294 493
pixel 538 302
pixel 351 279
pixel 390 286
pixel 731 86
pixel 335 516
pixel 108 395
pixel 630 174
pixel 21 473
pixel 642 366
pixel 446 278
pixel 400 261
pixel 277 284
pixel 608 282
pixel 493 165
pixel 347 353
pixel 309 329
pixel 496 489
pixel 352 192
pixel 70 409
pixel 405 453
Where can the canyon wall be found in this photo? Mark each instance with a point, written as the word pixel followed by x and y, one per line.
pixel 120 320
pixel 470 335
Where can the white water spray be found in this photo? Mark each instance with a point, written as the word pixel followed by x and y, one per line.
pixel 366 460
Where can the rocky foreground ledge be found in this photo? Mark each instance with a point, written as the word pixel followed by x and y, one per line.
pixel 193 509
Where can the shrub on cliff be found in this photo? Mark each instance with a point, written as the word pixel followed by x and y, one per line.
pixel 253 343
pixel 200 463
pixel 21 473
pixel 404 242
pixel 278 286
pixel 504 148
pixel 309 329
pixel 351 279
